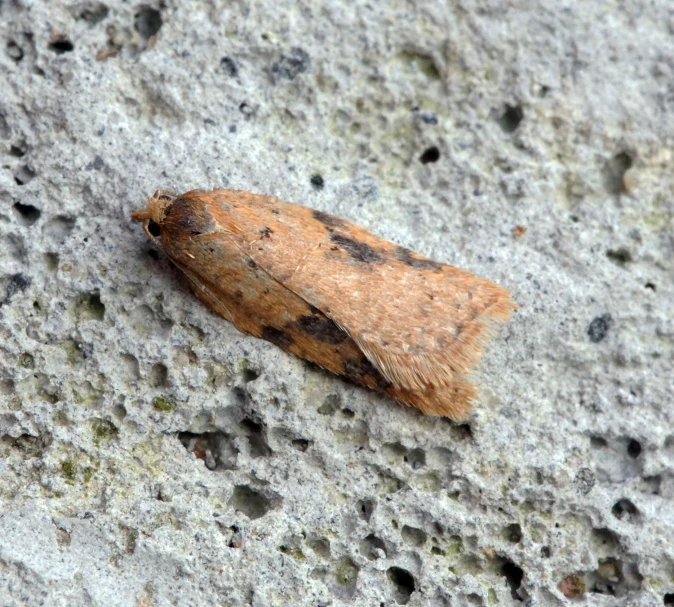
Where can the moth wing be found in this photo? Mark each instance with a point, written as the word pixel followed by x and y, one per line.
pixel 421 323
pixel 421 327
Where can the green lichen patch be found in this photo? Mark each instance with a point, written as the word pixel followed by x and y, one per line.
pixel 293 551
pixel 26 361
pixel 163 405
pixel 346 572
pixel 104 431
pixel 68 470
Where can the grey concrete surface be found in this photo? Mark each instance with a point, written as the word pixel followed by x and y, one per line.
pixel 152 455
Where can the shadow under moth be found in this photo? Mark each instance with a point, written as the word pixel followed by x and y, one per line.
pixel 333 293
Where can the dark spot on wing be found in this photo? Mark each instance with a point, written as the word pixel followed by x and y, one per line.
pixel 252 264
pixel 361 367
pixel 409 258
pixel 328 220
pixel 266 232
pixel 322 328
pixel 184 215
pixel 357 250
pixel 277 337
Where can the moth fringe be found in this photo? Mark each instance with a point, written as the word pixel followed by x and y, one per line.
pixel 419 372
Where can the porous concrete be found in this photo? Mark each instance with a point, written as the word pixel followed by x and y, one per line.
pixel 152 455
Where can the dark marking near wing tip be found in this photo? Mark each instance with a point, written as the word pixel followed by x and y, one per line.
pixel 359 251
pixel 252 264
pixel 361 367
pixel 182 214
pixel 322 328
pixel 266 232
pixel 328 220
pixel 277 336
pixel 409 259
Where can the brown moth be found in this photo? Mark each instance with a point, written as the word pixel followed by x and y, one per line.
pixel 332 293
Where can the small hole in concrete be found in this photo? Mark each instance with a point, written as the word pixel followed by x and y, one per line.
pixel 416 458
pixel 301 444
pixel 403 584
pixel 228 67
pixel 158 375
pixel 431 154
pixel 147 22
pixel 365 508
pixel 512 533
pixel 599 327
pixel 14 51
pixel 17 151
pixel 61 47
pixel 513 575
pixel 94 13
pixel 614 173
pixel 291 65
pixel 257 439
pixel 24 175
pixel 59 227
pixel 330 405
pixel 620 256
pixel 372 547
pixel 89 306
pixel 625 510
pixel 634 448
pixel 252 503
pixel 511 118
pixel 413 536
pixel 598 442
pixel 28 213
pixel 250 374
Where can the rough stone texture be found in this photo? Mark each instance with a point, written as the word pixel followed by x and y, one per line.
pixel 152 455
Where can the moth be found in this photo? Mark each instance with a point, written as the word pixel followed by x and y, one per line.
pixel 333 293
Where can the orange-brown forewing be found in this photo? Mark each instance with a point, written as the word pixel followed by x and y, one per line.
pixel 333 293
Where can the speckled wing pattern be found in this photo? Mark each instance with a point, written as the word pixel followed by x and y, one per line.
pixel 411 327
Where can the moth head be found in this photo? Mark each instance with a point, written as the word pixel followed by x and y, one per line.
pixel 154 213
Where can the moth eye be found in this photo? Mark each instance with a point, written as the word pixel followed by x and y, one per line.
pixel 154 229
